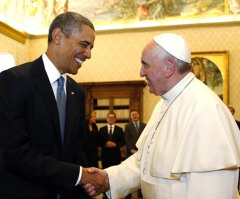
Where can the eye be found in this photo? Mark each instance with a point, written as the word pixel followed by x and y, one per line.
pixel 83 44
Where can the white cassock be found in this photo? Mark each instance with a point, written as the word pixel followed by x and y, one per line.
pixel 190 149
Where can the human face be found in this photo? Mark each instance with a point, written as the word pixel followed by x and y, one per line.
pixel 111 119
pixel 135 116
pixel 72 51
pixel 153 69
pixel 93 119
pixel 231 110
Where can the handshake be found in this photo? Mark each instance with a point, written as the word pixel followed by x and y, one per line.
pixel 94 181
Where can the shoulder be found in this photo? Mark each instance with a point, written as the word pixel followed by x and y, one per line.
pixel 128 125
pixel 103 128
pixel 118 128
pixel 72 84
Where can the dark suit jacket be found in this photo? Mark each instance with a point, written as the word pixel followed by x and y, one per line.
pixel 131 136
pixel 33 162
pixel 112 155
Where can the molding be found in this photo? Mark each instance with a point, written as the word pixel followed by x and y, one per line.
pixel 13 33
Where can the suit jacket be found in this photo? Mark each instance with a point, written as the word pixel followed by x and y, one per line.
pixel 111 154
pixel 131 136
pixel 33 162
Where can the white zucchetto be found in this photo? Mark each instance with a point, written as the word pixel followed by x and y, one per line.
pixel 175 45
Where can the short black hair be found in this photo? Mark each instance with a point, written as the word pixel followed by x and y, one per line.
pixel 69 23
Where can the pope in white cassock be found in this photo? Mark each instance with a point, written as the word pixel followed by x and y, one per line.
pixel 190 148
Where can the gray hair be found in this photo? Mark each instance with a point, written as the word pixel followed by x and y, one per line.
pixel 163 54
pixel 69 23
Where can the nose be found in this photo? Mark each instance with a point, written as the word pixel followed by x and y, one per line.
pixel 87 53
pixel 142 72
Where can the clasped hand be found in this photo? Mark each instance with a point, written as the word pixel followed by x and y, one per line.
pixel 94 181
pixel 110 144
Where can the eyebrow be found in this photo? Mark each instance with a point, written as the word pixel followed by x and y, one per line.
pixel 144 63
pixel 87 43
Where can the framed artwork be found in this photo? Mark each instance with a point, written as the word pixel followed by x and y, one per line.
pixel 212 69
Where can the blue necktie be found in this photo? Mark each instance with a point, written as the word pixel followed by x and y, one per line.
pixel 61 104
pixel 136 126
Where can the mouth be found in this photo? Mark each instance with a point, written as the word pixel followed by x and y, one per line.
pixel 78 60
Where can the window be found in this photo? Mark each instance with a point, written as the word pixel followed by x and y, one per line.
pixel 7 61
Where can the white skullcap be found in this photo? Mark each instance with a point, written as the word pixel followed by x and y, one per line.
pixel 175 45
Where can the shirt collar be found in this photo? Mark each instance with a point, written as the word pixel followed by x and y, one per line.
pixel 178 88
pixel 110 125
pixel 52 72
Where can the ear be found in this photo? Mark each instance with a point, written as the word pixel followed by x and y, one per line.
pixel 56 36
pixel 171 67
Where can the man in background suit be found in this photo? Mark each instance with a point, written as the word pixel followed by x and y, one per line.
pixel 111 139
pixel 36 160
pixel 132 132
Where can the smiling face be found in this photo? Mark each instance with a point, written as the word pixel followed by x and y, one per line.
pixel 154 69
pixel 135 116
pixel 70 52
pixel 111 119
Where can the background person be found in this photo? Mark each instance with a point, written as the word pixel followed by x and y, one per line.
pixel 92 139
pixel 111 139
pixel 132 132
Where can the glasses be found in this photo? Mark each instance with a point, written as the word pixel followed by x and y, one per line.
pixel 111 117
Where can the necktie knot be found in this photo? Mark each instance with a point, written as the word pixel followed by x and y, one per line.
pixel 136 125
pixel 60 81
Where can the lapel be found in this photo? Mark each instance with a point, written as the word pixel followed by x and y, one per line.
pixel 44 87
pixel 106 131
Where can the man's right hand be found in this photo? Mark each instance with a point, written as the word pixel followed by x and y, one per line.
pixel 93 187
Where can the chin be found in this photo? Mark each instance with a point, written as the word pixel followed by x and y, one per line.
pixel 73 72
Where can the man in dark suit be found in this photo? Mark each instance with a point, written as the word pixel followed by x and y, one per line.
pixel 132 132
pixel 111 139
pixel 41 157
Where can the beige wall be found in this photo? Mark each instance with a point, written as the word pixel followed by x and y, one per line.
pixel 116 56
pixel 18 50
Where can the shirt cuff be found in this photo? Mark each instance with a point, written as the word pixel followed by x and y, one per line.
pixel 79 176
pixel 108 193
